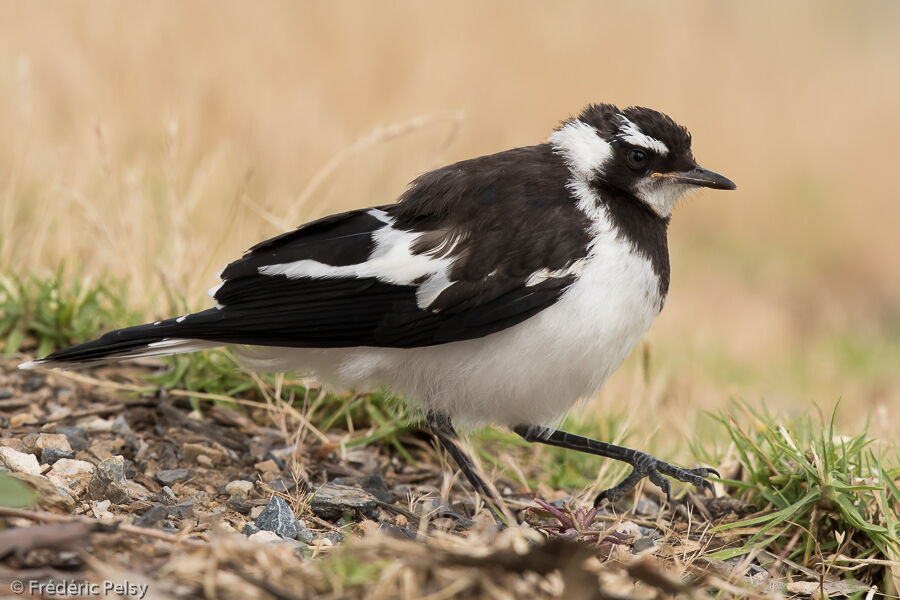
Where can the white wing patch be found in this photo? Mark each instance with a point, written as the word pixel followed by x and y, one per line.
pixel 391 261
pixel 380 215
pixel 629 132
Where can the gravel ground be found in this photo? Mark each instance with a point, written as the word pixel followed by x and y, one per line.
pixel 142 489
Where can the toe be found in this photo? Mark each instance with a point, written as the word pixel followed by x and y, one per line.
pixel 604 495
pixel 661 482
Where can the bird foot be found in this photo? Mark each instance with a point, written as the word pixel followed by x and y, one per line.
pixel 645 465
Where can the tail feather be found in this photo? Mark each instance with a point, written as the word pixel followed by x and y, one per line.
pixel 172 336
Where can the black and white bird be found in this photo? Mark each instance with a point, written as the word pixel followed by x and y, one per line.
pixel 500 289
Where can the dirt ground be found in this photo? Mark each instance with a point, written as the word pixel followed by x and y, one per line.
pixel 223 503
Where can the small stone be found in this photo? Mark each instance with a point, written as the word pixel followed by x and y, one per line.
pixel 250 529
pixel 154 517
pixel 22 418
pixel 107 448
pixel 15 443
pixel 649 532
pixel 267 466
pixel 181 511
pixel 336 537
pixel 19 462
pixel 108 481
pixel 238 504
pixel 305 535
pixel 239 487
pixel 278 517
pixel 264 537
pixel 204 461
pixel 168 495
pixel 375 485
pixel 332 500
pixel 646 507
pixel 277 460
pixel 256 511
pixel 97 425
pixel 76 437
pixel 70 467
pixel 5 393
pixel 33 383
pixel 171 476
pixel 282 485
pixel 101 509
pixel 192 451
pixel 49 456
pixel 121 428
pixel 56 441
pixel 138 492
pixel 642 544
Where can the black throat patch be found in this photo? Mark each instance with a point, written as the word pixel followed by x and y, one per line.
pixel 644 229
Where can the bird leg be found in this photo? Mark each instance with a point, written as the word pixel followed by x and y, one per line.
pixel 643 465
pixel 442 427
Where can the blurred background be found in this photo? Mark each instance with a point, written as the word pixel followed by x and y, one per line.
pixel 156 141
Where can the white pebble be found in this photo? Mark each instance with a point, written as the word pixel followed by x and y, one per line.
pixel 263 537
pixel 239 487
pixel 19 462
pixel 69 467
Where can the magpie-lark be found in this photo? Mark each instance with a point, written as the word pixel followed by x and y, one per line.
pixel 499 289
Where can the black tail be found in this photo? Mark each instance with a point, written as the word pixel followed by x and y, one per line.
pixel 171 336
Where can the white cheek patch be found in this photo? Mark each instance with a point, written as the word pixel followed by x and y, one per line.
pixel 631 134
pixel 661 196
pixel 581 147
pixel 391 261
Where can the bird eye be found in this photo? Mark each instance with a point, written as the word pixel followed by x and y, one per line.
pixel 637 159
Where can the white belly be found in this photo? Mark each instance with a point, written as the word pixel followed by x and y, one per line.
pixel 531 373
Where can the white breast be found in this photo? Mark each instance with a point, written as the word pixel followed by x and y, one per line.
pixel 531 373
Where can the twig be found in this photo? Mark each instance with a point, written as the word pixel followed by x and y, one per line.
pixel 52 535
pixel 264 584
pixel 92 412
pixel 48 517
pixel 14 403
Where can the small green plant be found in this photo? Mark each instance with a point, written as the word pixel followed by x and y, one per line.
pixel 47 313
pixel 825 495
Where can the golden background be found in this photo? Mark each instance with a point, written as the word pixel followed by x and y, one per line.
pixel 156 141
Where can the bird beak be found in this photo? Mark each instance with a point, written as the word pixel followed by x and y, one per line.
pixel 700 177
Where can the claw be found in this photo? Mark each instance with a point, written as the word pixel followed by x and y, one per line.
pixel 660 482
pixel 711 471
pixel 709 486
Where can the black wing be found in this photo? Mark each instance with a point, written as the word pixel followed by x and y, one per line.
pixel 501 232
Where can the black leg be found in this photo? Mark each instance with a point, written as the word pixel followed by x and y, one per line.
pixel 643 464
pixel 443 430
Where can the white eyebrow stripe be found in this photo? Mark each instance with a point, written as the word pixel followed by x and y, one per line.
pixel 629 132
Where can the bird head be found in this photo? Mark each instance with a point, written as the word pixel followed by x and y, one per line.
pixel 638 151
